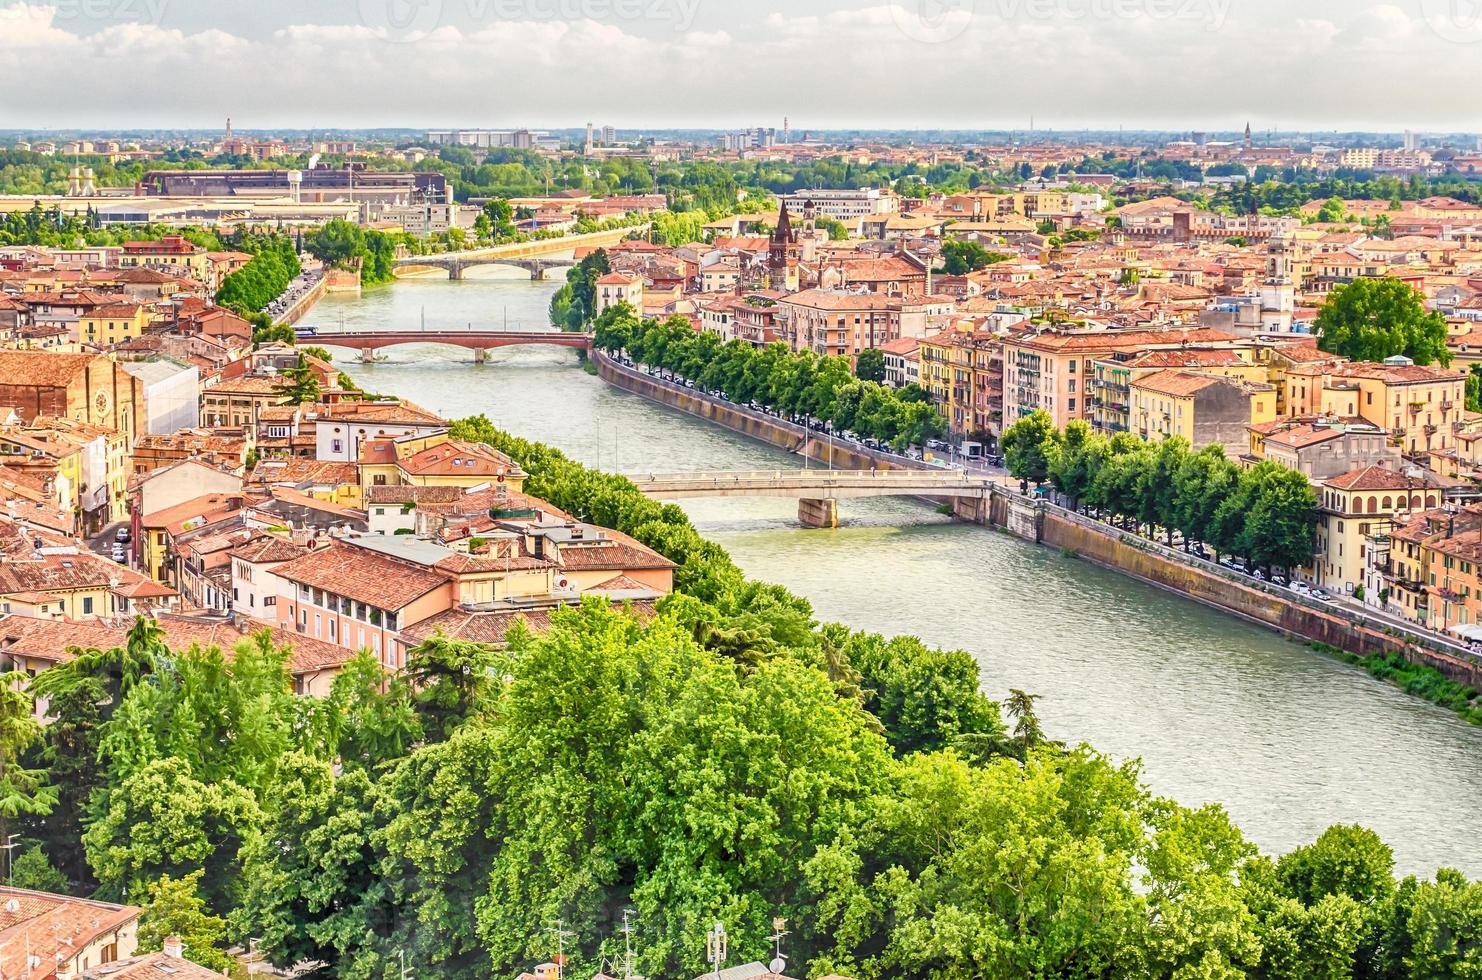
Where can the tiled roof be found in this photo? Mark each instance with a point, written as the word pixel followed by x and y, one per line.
pixel 269 547
pixel 456 457
pixel 492 627
pixel 363 575
pixel 1380 478
pixel 150 966
pixel 41 369
pixel 52 928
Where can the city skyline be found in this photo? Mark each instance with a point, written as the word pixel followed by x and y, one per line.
pixel 962 64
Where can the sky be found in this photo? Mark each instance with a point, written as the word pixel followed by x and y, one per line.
pixel 1177 65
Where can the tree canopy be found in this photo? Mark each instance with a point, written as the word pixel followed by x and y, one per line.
pixel 1371 319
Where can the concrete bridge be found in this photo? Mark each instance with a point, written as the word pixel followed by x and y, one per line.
pixel 817 491
pixel 535 257
pixel 478 341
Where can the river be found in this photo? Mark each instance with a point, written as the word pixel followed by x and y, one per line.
pixel 1218 710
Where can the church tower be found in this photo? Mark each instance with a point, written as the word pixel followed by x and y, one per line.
pixel 1278 292
pixel 782 254
pixel 1248 143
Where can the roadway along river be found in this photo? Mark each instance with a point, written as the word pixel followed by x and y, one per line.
pixel 1289 741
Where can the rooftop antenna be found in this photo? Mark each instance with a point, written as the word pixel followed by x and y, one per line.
pixel 716 942
pixel 779 929
pixel 561 935
pixel 627 946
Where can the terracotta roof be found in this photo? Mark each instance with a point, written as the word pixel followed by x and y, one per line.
pixel 1379 478
pixel 150 966
pixel 55 639
pixel 1196 357
pixel 492 627
pixel 1182 383
pixel 363 575
pixel 269 547
pixel 46 926
pixel 207 509
pixel 458 458
pixel 42 369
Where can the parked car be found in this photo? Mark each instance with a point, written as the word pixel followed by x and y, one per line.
pixel 1259 574
pixel 1321 596
pixel 1278 579
pixel 122 537
pixel 1300 588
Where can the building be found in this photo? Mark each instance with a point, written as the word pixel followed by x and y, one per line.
pixel 43 934
pixel 1205 409
pixel 843 204
pixel 619 287
pixel 835 323
pixel 962 372
pixel 1056 371
pixel 435 459
pixel 104 326
pixel 85 387
pixel 902 361
pixel 321 185
pixel 171 397
pixel 1422 408
pixel 1322 448
pixel 1353 506
pixel 342 430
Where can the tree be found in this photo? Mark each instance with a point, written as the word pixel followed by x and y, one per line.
pixel 1027 445
pixel 161 821
pixel 453 680
pixel 869 364
pixel 1332 211
pixel 32 870
pixel 961 256
pixel 174 907
pixel 300 385
pixel 24 791
pixel 336 243
pixel 1371 319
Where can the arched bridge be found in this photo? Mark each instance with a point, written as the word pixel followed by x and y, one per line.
pixel 818 491
pixel 478 341
pixel 534 257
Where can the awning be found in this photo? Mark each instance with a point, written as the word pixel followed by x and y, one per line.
pixel 1468 631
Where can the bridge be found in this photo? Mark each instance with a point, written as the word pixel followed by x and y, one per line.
pixel 478 341
pixel 817 491
pixel 535 257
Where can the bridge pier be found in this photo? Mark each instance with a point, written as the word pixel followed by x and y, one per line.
pixel 537 272
pixel 367 355
pixel 480 355
pixel 818 512
pixel 455 271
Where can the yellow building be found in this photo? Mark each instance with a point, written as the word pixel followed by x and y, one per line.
pixel 962 371
pixel 1205 409
pixel 48 458
pixel 1352 507
pixel 1111 392
pixel 1423 408
pixel 104 326
pixel 434 459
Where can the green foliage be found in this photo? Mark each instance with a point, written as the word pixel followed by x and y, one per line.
pixel 869 365
pixel 574 306
pixel 262 279
pixel 300 385
pixel 24 792
pixel 1028 444
pixel 32 870
pixel 1420 680
pixel 801 384
pixel 1371 319
pixel 960 256
pixel 174 907
pixel 1267 514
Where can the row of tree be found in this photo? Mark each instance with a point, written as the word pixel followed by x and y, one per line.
pixel 793 384
pixel 273 266
pixel 1265 514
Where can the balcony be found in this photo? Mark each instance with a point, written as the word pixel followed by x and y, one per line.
pixel 1430 430
pixel 1447 405
pixel 1415 407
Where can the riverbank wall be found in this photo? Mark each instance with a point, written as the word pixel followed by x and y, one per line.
pixel 305 303
pixel 1266 605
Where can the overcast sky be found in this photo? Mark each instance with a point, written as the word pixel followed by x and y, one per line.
pixel 963 64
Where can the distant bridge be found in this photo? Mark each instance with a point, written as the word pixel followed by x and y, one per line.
pixel 818 491
pixel 535 257
pixel 478 341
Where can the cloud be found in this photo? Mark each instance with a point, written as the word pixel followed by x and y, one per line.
pixel 959 63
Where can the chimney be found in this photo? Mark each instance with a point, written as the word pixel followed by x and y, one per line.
pixel 174 948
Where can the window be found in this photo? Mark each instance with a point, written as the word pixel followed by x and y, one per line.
pixel 87 605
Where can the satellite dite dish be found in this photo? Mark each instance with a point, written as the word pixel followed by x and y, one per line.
pixel 777 965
